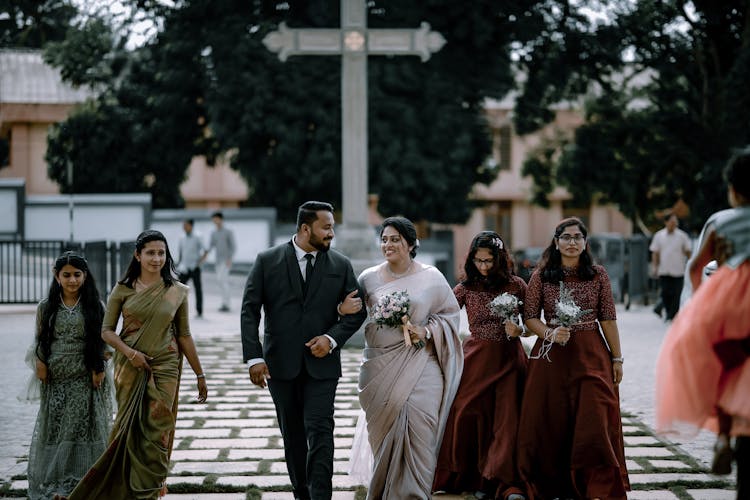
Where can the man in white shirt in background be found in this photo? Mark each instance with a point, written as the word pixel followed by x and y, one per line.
pixel 222 240
pixel 670 250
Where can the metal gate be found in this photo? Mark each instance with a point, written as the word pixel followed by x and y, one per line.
pixel 26 266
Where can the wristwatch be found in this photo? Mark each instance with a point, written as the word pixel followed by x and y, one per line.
pixel 619 359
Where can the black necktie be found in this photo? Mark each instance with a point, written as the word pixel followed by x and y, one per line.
pixel 308 271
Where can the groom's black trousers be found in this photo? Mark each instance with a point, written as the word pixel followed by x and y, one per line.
pixel 304 408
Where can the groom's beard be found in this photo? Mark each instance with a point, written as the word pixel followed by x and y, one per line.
pixel 321 245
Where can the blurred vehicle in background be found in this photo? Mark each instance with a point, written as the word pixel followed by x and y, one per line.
pixel 525 261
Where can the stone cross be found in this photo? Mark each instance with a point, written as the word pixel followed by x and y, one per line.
pixel 354 42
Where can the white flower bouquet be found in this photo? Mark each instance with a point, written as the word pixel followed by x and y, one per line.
pixel 393 310
pixel 505 305
pixel 567 311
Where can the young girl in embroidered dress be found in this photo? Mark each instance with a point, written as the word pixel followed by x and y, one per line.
pixel 75 411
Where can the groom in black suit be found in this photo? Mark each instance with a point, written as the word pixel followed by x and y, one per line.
pixel 300 285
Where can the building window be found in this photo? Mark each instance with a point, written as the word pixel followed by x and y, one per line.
pixel 570 209
pixel 502 140
pixel 497 217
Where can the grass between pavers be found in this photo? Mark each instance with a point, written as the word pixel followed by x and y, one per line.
pixel 275 442
pixel 264 466
pixel 678 453
pixel 5 489
pixel 185 443
pixel 206 487
pixel 680 490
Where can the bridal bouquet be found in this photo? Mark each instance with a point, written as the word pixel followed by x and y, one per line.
pixel 505 305
pixel 393 310
pixel 568 313
pixel 566 309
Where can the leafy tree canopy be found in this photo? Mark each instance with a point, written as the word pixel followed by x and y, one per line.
pixel 148 121
pixel 31 24
pixel 664 86
pixel 206 83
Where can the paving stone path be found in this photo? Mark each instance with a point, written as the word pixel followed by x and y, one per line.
pixel 231 447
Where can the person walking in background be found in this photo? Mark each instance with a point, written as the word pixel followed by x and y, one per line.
pixel 154 338
pixel 410 370
pixel 570 442
pixel 75 410
pixel 299 285
pixel 703 368
pixel 222 240
pixel 670 249
pixel 478 453
pixel 190 256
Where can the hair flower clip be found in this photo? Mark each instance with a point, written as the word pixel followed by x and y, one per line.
pixel 498 243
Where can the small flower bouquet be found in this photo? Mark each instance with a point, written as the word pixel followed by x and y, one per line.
pixel 393 310
pixel 505 305
pixel 566 309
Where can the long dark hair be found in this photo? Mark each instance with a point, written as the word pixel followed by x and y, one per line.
pixel 502 267
pixel 168 272
pixel 551 260
pixel 91 307
pixel 737 171
pixel 406 229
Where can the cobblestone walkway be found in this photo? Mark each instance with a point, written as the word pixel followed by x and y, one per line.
pixel 231 447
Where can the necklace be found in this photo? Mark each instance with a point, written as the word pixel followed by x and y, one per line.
pixel 71 309
pixel 143 285
pixel 398 275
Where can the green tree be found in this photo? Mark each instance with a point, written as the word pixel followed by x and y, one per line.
pixel 206 83
pixel 428 140
pixel 31 24
pixel 145 126
pixel 666 101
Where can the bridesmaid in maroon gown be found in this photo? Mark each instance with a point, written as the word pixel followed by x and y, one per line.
pixel 570 438
pixel 478 450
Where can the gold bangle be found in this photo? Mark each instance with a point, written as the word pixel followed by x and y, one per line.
pixel 133 356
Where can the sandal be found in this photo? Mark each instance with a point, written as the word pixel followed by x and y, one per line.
pixel 722 461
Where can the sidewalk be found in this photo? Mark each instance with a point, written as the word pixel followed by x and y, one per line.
pixel 231 448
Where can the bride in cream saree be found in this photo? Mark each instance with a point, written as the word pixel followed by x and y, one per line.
pixel 406 392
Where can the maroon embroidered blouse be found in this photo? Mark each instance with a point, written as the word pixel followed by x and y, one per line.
pixel 594 294
pixel 482 324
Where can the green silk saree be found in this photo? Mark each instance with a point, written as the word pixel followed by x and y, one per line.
pixel 136 462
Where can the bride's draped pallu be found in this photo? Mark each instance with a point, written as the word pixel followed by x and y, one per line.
pixel 405 392
pixel 136 462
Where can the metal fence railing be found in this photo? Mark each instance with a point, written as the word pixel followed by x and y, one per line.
pixel 26 266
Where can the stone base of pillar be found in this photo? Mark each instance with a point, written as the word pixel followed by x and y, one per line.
pixel 361 245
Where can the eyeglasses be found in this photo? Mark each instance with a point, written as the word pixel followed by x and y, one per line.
pixel 566 238
pixel 483 262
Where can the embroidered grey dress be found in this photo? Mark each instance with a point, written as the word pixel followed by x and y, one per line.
pixel 74 419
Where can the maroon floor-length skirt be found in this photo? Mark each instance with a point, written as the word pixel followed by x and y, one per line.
pixel 570 441
pixel 479 444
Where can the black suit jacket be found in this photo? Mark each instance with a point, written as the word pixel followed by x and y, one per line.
pixel 275 283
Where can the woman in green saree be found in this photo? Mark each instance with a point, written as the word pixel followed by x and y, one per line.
pixel 148 362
